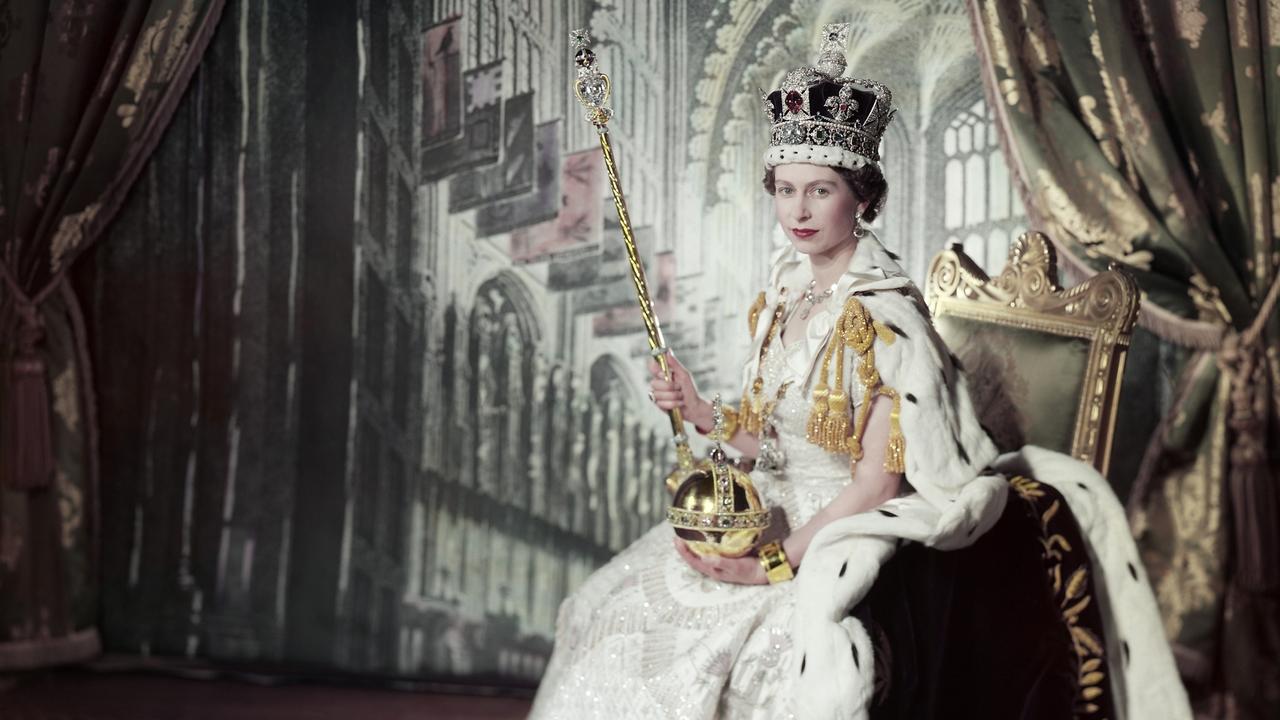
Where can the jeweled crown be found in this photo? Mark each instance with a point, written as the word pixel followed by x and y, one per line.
pixel 819 117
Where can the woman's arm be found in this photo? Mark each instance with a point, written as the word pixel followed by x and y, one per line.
pixel 680 392
pixel 872 485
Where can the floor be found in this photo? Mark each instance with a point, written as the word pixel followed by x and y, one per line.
pixel 83 695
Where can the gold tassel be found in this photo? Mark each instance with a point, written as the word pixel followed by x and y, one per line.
pixel 836 426
pixel 895 453
pixel 818 413
pixel 821 392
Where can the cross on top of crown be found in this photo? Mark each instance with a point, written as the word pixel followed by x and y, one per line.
pixel 835 36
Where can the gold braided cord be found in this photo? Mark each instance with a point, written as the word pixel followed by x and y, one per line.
pixel 828 424
pixel 818 412
pixel 836 425
pixel 753 314
pixel 753 409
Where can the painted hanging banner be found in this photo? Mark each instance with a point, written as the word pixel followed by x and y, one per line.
pixel 622 320
pixel 511 177
pixel 611 285
pixel 608 264
pixel 481 141
pixel 442 83
pixel 539 205
pixel 576 227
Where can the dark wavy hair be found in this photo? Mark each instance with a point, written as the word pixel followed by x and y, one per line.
pixel 867 183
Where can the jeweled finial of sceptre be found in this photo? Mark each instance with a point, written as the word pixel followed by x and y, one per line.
pixel 592 88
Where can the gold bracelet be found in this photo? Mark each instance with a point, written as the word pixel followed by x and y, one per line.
pixel 776 567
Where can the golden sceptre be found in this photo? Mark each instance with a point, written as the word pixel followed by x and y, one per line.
pixel 714 505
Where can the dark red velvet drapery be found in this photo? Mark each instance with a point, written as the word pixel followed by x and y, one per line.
pixel 86 90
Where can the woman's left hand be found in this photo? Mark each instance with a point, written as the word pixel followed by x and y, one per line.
pixel 741 571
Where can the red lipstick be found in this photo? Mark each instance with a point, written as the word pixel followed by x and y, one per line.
pixel 803 232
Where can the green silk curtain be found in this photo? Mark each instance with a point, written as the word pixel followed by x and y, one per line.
pixel 1147 134
pixel 86 90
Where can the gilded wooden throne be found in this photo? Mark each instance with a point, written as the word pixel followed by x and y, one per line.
pixel 1044 364
pixel 1044 367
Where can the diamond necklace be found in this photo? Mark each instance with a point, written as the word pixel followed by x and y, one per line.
pixel 812 299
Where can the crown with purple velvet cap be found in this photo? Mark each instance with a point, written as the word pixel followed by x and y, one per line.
pixel 822 118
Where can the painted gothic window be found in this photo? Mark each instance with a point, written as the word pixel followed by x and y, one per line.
pixel 983 210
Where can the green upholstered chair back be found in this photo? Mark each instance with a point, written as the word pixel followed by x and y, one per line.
pixel 1044 364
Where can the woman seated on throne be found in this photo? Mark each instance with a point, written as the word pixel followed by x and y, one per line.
pixel 864 441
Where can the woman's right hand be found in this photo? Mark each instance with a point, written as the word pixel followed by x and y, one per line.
pixel 678 393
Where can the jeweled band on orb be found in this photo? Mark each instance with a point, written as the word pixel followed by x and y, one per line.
pixel 776 566
pixel 694 520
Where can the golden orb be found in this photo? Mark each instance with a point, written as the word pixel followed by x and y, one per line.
pixel 717 510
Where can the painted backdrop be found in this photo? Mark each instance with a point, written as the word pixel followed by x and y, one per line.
pixel 371 377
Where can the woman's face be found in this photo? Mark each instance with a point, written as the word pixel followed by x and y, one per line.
pixel 815 206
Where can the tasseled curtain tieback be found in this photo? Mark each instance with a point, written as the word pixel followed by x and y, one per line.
pixel 1255 500
pixel 26 447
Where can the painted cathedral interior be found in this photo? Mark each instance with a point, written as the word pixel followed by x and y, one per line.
pixel 323 373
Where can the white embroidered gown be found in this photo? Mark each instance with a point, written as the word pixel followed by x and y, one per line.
pixel 646 636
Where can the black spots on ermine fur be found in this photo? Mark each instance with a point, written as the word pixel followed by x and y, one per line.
pixel 897 331
pixel 960 450
pixel 886 513
pixel 843 567
pixel 910 398
pixel 987 431
pixel 921 308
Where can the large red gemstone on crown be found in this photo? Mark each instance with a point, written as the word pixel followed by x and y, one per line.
pixel 794 101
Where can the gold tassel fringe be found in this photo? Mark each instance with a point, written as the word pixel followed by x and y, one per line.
pixel 836 426
pixel 895 454
pixel 828 424
pixel 818 413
